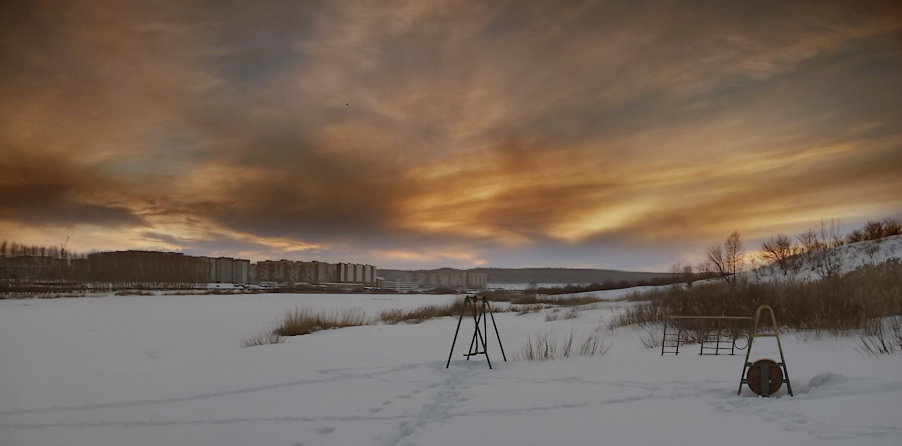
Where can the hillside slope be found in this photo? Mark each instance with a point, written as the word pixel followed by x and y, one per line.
pixel 842 259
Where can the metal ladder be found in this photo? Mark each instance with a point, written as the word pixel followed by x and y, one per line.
pixel 671 341
pixel 720 338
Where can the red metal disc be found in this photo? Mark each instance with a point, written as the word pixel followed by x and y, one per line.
pixel 774 376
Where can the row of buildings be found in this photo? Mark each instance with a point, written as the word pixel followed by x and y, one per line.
pixel 155 268
pixel 166 267
pixel 314 272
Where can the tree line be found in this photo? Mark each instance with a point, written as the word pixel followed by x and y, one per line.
pixel 13 249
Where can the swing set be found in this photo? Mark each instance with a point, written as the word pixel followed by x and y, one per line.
pixel 481 310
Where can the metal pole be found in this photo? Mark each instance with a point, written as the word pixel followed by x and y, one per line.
pixel 462 309
pixel 717 345
pixel 664 338
pixel 485 349
pixel 470 352
pixel 498 335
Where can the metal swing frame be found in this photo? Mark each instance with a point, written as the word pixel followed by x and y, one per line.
pixel 482 311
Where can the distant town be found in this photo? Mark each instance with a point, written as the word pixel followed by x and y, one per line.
pixel 42 268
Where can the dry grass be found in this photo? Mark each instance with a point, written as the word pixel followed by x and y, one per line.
pixel 421 314
pixel 882 337
pixel 642 314
pixel 526 309
pixel 301 322
pixel 652 337
pixel 837 305
pixel 548 345
pixel 263 339
pixel 501 295
pixel 557 301
pixel 134 293
pixel 305 321
pixel 557 314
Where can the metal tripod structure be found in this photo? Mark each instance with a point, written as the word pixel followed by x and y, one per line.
pixel 765 376
pixel 479 307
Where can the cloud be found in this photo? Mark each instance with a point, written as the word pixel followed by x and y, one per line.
pixel 38 191
pixel 400 131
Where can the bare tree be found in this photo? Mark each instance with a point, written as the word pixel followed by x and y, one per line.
pixel 809 241
pixel 780 250
pixel 727 260
pixel 735 254
pixel 821 247
pixel 714 262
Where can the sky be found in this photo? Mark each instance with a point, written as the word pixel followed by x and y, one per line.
pixel 410 134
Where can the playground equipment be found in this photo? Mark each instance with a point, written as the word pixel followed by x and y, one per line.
pixel 764 376
pixel 481 310
pixel 713 333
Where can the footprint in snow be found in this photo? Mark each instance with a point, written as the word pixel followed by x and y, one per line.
pixel 325 430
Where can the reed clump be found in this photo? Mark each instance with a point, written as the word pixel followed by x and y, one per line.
pixel 305 321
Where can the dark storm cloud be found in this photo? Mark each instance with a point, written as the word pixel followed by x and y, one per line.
pixel 48 192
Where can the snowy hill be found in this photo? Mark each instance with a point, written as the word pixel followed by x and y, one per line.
pixel 841 259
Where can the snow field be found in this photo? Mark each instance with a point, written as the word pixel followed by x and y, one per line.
pixel 151 370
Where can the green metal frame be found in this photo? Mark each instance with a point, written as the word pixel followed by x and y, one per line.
pixel 753 334
pixel 482 311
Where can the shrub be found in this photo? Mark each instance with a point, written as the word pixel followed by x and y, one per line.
pixel 891 227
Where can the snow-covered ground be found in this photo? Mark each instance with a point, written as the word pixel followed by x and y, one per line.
pixel 170 370
pixel 844 258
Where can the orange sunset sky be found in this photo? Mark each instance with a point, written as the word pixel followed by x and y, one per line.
pixel 421 134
